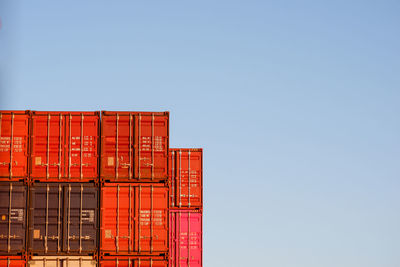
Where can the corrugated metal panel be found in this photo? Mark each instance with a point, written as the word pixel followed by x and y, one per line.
pixel 12 218
pixel 14 130
pixel 63 218
pixel 12 261
pixel 64 146
pixel 186 177
pixel 186 244
pixel 134 219
pixel 134 146
pixel 62 261
pixel 130 261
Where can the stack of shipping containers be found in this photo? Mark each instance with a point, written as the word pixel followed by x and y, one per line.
pixel 186 207
pixel 14 150
pixel 63 189
pixel 80 189
pixel 134 189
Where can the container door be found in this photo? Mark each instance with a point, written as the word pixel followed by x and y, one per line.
pixel 151 146
pixel 117 219
pixel 46 217
pixel 152 226
pixel 13 145
pixel 80 211
pixel 47 146
pixel 12 218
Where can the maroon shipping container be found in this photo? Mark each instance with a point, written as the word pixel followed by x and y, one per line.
pixel 14 132
pixel 12 218
pixel 12 261
pixel 186 239
pixel 132 261
pixel 186 177
pixel 134 219
pixel 64 146
pixel 63 219
pixel 134 146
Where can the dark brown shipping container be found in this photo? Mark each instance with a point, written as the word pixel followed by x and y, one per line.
pixel 132 261
pixel 134 146
pixel 14 132
pixel 134 219
pixel 12 261
pixel 12 218
pixel 64 146
pixel 63 218
pixel 186 178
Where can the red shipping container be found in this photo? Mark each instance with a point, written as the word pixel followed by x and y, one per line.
pixel 64 146
pixel 134 219
pixel 14 133
pixel 186 177
pixel 186 239
pixel 132 261
pixel 134 146
pixel 12 261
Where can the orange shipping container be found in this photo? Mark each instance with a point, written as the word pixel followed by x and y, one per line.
pixel 64 146
pixel 14 132
pixel 134 219
pixel 132 261
pixel 186 177
pixel 134 146
pixel 12 261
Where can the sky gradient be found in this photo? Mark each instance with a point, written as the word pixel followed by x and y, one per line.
pixel 296 104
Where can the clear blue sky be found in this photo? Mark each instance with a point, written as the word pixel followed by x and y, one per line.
pixel 296 104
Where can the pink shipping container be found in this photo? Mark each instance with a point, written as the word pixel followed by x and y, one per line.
pixel 186 238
